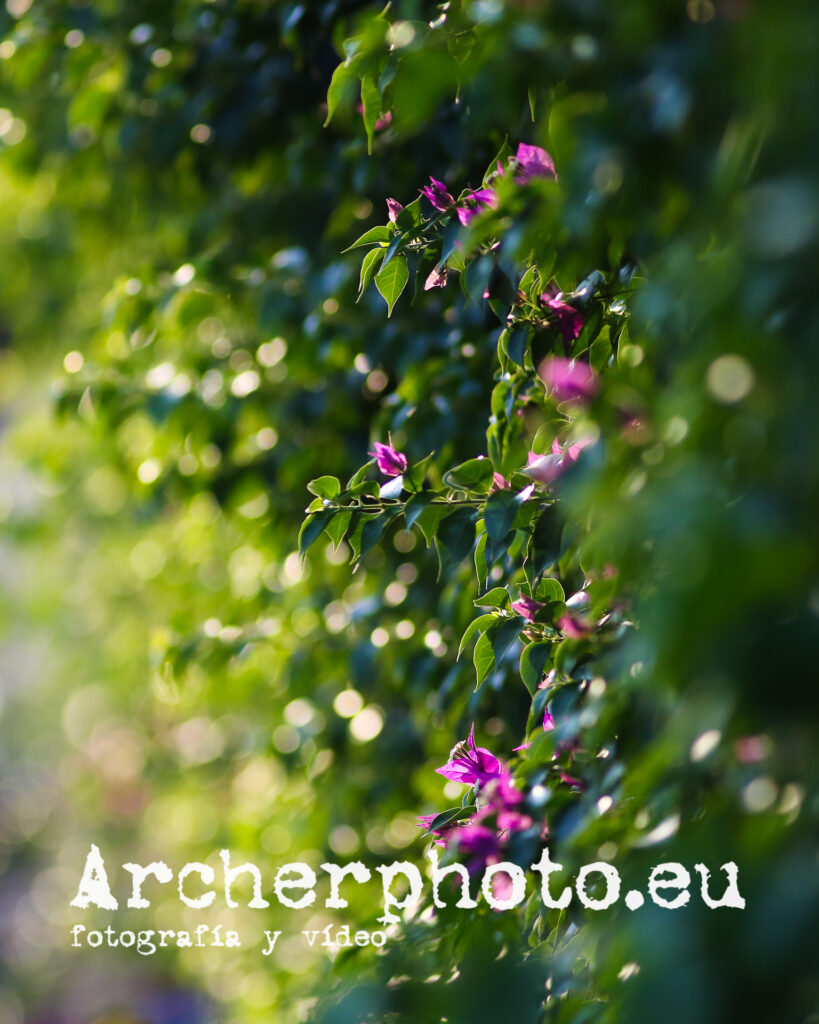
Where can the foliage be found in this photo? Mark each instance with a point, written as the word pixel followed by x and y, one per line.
pixel 582 359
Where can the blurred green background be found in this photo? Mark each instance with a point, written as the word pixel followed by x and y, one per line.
pixel 182 351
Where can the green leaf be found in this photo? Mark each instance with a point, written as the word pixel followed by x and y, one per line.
pixel 417 471
pixel 481 567
pixel 359 519
pixel 337 527
pixel 415 506
pixel 497 597
pixel 499 514
pixel 479 625
pixel 566 655
pixel 549 590
pixel 545 545
pixel 532 663
pixel 517 343
pixel 483 658
pixel 391 281
pixel 500 157
pixel 371 107
pixel 452 233
pixel 375 236
pixel 476 278
pixel 445 817
pixel 325 487
pixel 505 637
pixel 312 528
pixel 368 265
pixel 410 216
pixel 429 518
pixel 473 475
pixel 392 248
pixel 341 85
pixel 371 533
pixel 360 474
pixel 527 282
pixel 454 538
pixel 368 487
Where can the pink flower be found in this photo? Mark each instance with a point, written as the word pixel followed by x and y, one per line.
pixel 503 792
pixel 502 799
pixel 482 842
pixel 527 607
pixel 499 483
pixel 513 821
pixel 482 197
pixel 470 765
pixel 437 194
pixel 393 209
pixel 567 379
pixel 547 468
pixel 533 162
pixel 390 462
pixel 750 749
pixel 548 679
pixel 572 624
pixel 569 320
pixel 437 278
pixel 573 627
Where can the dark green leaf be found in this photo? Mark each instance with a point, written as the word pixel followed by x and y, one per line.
pixel 517 343
pixel 312 527
pixel 415 474
pixel 452 233
pixel 545 546
pixel 476 279
pixel 445 817
pixel 504 637
pixel 454 538
pixel 371 532
pixel 532 663
pixel 429 518
pixel 415 506
pixel 499 514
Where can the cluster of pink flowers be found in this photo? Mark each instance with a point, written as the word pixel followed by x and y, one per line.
pixel 482 837
pixel 573 623
pixel 499 804
pixel 529 162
